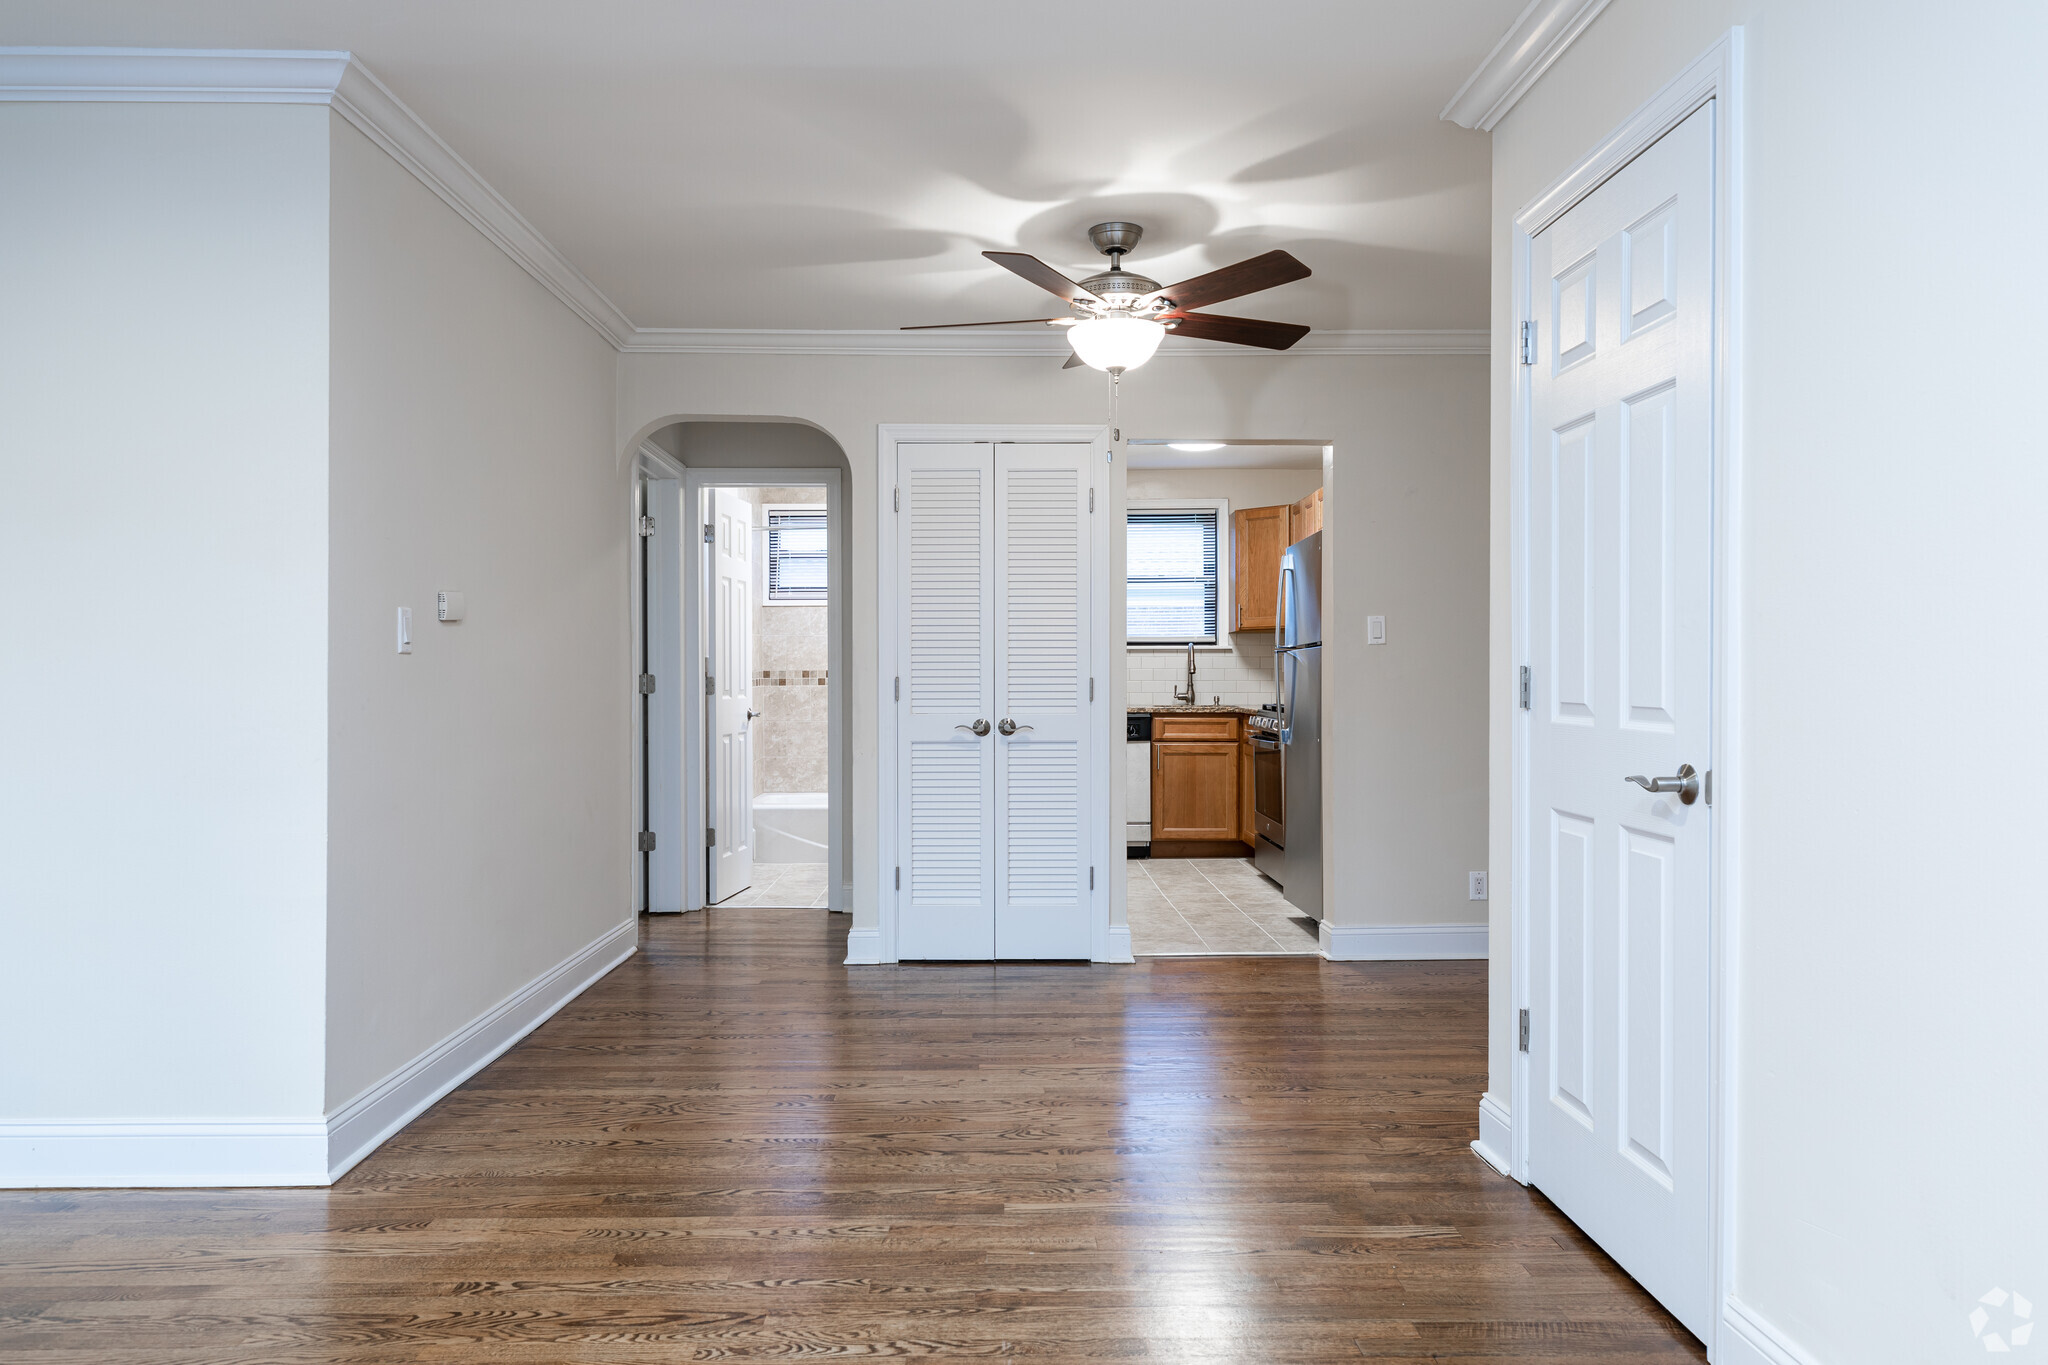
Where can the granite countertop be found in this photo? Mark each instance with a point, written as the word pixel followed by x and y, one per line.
pixel 1178 710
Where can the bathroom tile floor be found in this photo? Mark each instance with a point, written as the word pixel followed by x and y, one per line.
pixel 1181 906
pixel 783 885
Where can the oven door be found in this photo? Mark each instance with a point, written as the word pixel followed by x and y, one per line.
pixel 1268 813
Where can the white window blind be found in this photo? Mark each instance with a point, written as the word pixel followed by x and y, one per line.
pixel 1172 592
pixel 796 556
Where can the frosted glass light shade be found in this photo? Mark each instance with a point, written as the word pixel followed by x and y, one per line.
pixel 1115 343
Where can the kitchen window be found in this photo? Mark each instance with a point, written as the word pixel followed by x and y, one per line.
pixel 1176 583
pixel 794 553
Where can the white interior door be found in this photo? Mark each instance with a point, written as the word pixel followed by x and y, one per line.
pixel 945 716
pixel 1620 611
pixel 1043 742
pixel 731 653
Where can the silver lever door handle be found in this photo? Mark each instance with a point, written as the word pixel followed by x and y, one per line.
pixel 753 715
pixel 979 727
pixel 1686 784
pixel 1011 727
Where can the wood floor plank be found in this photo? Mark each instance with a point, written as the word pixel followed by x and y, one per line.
pixel 733 1148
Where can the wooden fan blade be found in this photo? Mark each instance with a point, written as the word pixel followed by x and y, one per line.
pixel 1246 277
pixel 1072 361
pixel 1043 275
pixel 1274 336
pixel 935 326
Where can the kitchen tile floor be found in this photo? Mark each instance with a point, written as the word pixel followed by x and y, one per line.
pixel 1209 906
pixel 783 885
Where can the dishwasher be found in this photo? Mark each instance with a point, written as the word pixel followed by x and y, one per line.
pixel 1138 784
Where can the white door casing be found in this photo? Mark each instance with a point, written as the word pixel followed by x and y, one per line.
pixel 1620 627
pixel 730 654
pixel 995 830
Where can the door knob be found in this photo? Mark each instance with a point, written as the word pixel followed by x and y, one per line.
pixel 1011 727
pixel 979 727
pixel 1686 784
pixel 753 715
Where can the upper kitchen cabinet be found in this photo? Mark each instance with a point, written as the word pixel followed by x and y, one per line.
pixel 1305 518
pixel 1257 537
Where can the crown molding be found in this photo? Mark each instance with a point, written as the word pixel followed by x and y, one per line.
pixel 337 79
pixel 341 81
pixel 1045 342
pixel 1532 43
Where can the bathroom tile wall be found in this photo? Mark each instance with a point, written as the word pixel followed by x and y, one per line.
pixel 790 662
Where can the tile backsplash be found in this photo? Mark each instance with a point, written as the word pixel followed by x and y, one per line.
pixel 1240 676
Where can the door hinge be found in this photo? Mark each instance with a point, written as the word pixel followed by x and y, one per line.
pixel 1529 342
pixel 1525 687
pixel 899 689
pixel 647 526
pixel 643 842
pixel 646 684
pixel 896 498
pixel 1091 879
pixel 899 879
pixel 711 836
pixel 1524 1043
pixel 1091 500
pixel 710 686
pixel 710 533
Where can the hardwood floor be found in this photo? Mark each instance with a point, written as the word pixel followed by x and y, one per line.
pixel 731 1148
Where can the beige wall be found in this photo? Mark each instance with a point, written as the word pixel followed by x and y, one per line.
pixel 163 573
pixel 480 793
pixel 791 668
pixel 1240 673
pixel 1407 741
pixel 1891 944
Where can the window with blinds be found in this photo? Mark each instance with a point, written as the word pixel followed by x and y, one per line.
pixel 796 556
pixel 1172 593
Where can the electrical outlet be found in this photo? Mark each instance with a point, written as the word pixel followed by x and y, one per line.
pixel 1475 886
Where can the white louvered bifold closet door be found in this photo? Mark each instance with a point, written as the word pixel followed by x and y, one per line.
pixel 1042 796
pixel 993 600
pixel 945 585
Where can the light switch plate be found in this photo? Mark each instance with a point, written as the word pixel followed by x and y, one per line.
pixel 448 606
pixel 1475 886
pixel 1375 630
pixel 405 630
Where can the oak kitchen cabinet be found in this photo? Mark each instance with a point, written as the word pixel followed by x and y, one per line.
pixel 1196 779
pixel 1257 536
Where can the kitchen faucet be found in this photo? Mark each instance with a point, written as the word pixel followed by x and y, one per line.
pixel 1189 698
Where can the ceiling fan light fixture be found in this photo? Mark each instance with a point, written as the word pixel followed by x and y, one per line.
pixel 1116 343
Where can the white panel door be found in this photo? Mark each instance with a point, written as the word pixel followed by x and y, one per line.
pixel 662 582
pixel 945 719
pixel 731 653
pixel 1044 812
pixel 1620 610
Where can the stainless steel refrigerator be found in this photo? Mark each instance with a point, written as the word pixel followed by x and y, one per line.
pixel 1295 857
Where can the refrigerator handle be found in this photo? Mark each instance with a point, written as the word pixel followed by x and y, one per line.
pixel 1280 634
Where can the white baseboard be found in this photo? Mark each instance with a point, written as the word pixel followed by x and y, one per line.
pixel 863 947
pixel 362 1125
pixel 1746 1339
pixel 1117 946
pixel 164 1154
pixel 316 1151
pixel 1496 1135
pixel 1402 942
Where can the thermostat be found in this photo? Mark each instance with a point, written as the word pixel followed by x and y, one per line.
pixel 448 606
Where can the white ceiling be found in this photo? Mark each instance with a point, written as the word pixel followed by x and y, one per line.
pixel 842 163
pixel 1233 455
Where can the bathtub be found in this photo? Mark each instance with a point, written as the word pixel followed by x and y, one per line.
pixel 789 827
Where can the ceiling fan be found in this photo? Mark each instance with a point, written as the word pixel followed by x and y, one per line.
pixel 1118 318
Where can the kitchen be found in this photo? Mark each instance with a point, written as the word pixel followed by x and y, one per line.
pixel 1223 698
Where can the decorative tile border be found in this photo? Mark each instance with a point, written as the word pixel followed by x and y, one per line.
pixel 792 677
